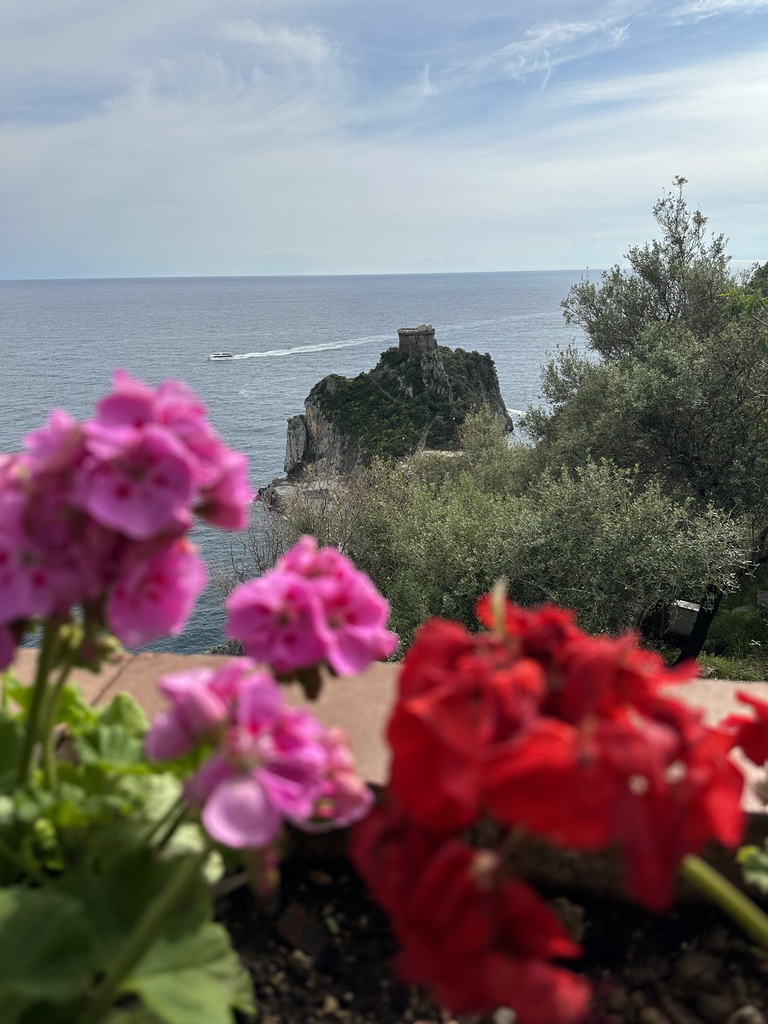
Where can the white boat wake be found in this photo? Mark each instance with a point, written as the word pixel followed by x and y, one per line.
pixel 325 346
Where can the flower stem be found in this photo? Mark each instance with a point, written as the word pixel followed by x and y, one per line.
pixel 45 661
pixel 50 768
pixel 145 931
pixel 168 824
pixel 730 899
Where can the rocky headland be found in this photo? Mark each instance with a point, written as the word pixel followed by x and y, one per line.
pixel 415 398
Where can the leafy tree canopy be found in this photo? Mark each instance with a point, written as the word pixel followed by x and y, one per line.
pixel 675 385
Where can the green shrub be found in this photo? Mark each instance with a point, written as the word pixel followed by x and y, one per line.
pixel 743 669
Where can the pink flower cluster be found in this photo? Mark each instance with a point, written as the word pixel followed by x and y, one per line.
pixel 267 762
pixel 95 514
pixel 314 606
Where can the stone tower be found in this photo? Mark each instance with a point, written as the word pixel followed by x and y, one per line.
pixel 417 341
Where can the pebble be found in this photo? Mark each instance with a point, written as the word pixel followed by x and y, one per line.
pixel 747 1014
pixel 300 963
pixel 331 1004
pixel 739 988
pixel 652 1015
pixel 320 878
pixel 504 1015
pixel 696 970
pixel 617 1000
pixel 715 1007
pixel 718 940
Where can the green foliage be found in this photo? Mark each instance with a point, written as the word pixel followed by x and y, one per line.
pixel 758 279
pixel 436 532
pixel 46 949
pixel 741 633
pixel 676 384
pixel 677 279
pixel 95 840
pixel 747 670
pixel 685 410
pixel 192 978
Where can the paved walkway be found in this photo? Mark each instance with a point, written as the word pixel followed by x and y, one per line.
pixel 359 704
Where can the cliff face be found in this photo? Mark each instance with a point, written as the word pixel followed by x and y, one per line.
pixel 314 440
pixel 417 396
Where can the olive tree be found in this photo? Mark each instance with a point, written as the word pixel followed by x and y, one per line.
pixel 674 382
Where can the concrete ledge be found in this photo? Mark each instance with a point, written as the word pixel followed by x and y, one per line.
pixel 360 705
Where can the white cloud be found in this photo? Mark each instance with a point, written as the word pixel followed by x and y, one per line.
pixel 710 8
pixel 258 145
pixel 545 46
pixel 310 46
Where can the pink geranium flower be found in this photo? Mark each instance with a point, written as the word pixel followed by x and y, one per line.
pixel 344 796
pixel 155 594
pixel 279 620
pixel 270 763
pixel 269 767
pixel 313 606
pixel 145 489
pixel 220 476
pixel 93 514
pixel 197 710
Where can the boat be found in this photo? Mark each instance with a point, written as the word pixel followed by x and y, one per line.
pixel 221 355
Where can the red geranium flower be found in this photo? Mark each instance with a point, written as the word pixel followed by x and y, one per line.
pixel 459 694
pixel 479 942
pixel 751 733
pixel 474 939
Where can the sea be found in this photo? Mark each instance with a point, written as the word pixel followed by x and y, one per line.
pixel 60 342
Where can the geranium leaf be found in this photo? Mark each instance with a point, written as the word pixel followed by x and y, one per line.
pixel 112 746
pixel 124 710
pixel 74 710
pixel 46 949
pixel 133 1015
pixel 193 978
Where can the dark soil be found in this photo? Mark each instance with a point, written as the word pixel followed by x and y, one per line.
pixel 322 956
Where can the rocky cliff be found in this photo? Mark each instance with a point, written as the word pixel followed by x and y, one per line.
pixel 417 396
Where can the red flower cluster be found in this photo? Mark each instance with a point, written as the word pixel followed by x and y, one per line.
pixel 476 940
pixel 536 725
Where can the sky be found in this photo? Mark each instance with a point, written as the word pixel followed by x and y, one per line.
pixel 147 138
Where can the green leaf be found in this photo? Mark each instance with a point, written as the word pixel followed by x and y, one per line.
pixel 74 711
pixel 153 794
pixel 11 741
pixel 134 1015
pixel 112 746
pixel 194 978
pixel 754 865
pixel 124 710
pixel 16 691
pixel 46 949
pixel 117 740
pixel 114 898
